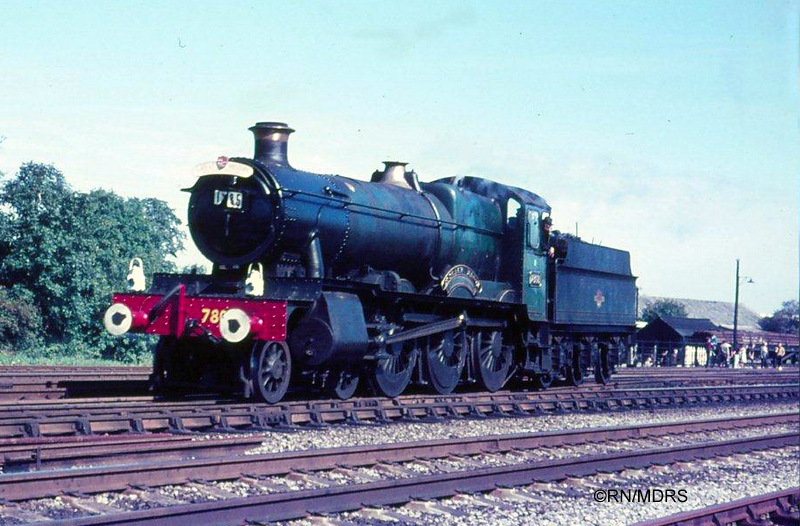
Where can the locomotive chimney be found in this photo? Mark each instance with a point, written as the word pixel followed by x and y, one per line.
pixel 271 142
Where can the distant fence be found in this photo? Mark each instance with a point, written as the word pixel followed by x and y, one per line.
pixel 672 354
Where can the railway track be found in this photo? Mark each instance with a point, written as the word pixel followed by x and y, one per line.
pixel 43 419
pixel 777 507
pixel 19 383
pixel 40 382
pixel 66 452
pixel 48 483
pixel 328 481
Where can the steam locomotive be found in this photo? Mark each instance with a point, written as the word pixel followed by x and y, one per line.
pixel 331 283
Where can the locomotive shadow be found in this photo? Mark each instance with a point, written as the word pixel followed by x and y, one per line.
pixel 101 388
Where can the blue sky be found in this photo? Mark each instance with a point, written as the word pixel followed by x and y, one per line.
pixel 666 128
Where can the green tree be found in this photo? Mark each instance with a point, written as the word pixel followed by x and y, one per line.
pixel 36 205
pixel 5 233
pixel 784 320
pixel 664 307
pixel 71 250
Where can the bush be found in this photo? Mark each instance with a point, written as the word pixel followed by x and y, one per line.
pixel 20 321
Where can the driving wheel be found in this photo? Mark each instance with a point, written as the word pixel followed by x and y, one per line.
pixel 445 356
pixel 393 368
pixel 493 359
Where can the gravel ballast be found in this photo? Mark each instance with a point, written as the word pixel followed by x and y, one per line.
pixel 195 492
pixel 705 483
pixel 398 432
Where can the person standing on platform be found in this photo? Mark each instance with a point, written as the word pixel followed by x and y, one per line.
pixel 709 353
pixel 743 356
pixel 771 358
pixel 725 354
pixel 780 352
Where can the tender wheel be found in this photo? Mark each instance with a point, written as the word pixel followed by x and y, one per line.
pixel 493 359
pixel 444 360
pixel 602 365
pixel 574 369
pixel 393 368
pixel 270 370
pixel 343 382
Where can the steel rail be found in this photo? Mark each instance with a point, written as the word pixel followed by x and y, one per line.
pixel 36 383
pixel 29 385
pixel 196 417
pixel 25 486
pixel 74 368
pixel 131 448
pixel 778 505
pixel 82 392
pixel 54 398
pixel 631 382
pixel 347 497
pixel 140 406
pixel 24 404
pixel 48 383
pixel 113 405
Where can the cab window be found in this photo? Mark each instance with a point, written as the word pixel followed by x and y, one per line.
pixel 533 229
pixel 512 208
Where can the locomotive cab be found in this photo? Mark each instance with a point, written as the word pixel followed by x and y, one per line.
pixel 534 263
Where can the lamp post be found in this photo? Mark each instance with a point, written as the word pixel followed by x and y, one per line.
pixel 736 307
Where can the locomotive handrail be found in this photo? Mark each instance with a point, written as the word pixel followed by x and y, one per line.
pixel 436 223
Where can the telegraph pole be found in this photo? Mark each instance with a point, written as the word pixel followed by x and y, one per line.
pixel 736 310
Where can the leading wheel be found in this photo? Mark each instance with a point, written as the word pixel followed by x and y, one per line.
pixel 270 370
pixel 493 359
pixel 602 364
pixel 444 360
pixel 393 368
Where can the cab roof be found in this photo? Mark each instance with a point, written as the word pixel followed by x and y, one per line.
pixel 494 190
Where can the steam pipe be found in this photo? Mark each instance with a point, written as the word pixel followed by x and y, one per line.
pixel 315 268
